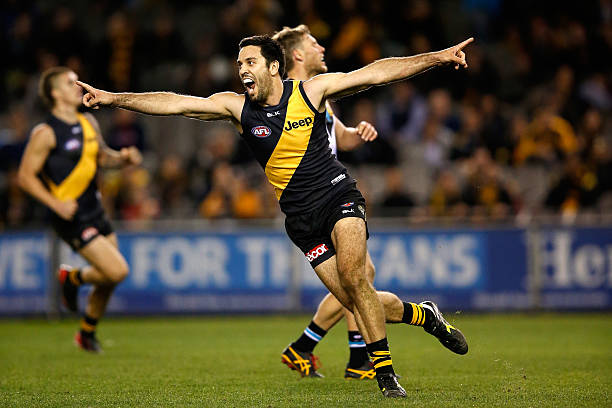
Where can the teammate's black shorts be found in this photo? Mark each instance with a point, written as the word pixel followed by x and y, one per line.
pixel 78 233
pixel 311 231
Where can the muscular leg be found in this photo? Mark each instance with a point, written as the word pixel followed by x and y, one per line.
pixel 349 238
pixel 351 324
pixel 330 310
pixel 108 268
pixel 328 273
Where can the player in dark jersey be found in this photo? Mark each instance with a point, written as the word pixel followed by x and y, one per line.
pixel 283 122
pixel 305 58
pixel 59 168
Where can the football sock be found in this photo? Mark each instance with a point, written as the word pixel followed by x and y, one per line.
pixel 75 276
pixel 416 315
pixel 381 356
pixel 88 326
pixel 309 339
pixel 359 353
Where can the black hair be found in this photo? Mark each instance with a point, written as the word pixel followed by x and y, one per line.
pixel 271 50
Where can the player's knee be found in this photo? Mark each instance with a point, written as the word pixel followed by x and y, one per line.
pixel 120 272
pixel 353 283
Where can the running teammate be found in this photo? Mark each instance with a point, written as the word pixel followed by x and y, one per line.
pixel 283 122
pixel 59 168
pixel 305 58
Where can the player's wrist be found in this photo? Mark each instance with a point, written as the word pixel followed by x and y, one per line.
pixel 113 100
pixel 56 206
pixel 439 58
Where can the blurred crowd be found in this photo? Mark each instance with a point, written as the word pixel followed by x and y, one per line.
pixel 526 130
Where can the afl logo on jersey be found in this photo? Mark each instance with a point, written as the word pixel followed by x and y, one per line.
pixel 72 144
pixel 261 131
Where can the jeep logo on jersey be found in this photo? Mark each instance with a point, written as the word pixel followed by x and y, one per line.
pixel 316 252
pixel 294 125
pixel 261 131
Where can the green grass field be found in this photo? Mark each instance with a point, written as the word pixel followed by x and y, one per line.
pixel 514 361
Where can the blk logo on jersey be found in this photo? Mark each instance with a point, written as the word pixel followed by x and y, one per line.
pixel 299 123
pixel 261 131
pixel 316 252
pixel 347 204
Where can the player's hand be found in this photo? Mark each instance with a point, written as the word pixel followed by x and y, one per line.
pixel 94 98
pixel 131 155
pixel 366 131
pixel 66 209
pixel 455 54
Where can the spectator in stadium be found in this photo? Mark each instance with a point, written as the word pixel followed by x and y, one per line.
pixel 171 180
pixel 65 151
pixel 403 114
pixel 321 209
pixel 548 139
pixel 576 188
pixel 134 201
pixel 486 192
pixel 126 131
pixel 467 138
pixel 445 199
pixel 435 143
pixel 396 202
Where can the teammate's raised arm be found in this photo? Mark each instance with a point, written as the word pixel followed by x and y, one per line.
pixel 381 72
pixel 220 106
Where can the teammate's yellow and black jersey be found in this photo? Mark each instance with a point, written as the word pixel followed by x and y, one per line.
pixel 71 167
pixel 291 143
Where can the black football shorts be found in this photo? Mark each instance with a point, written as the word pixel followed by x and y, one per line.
pixel 78 233
pixel 311 231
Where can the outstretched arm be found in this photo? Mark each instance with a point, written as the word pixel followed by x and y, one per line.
pixel 220 106
pixel 381 72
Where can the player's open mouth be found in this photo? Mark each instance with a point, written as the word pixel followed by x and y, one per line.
pixel 248 83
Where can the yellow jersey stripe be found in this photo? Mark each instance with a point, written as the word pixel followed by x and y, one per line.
pixel 292 144
pixel 73 186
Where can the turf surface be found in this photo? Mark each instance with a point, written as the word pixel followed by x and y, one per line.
pixel 514 361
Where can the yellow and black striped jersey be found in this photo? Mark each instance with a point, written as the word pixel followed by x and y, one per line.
pixel 71 167
pixel 290 141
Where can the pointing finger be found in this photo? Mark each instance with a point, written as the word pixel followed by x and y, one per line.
pixel 465 43
pixel 85 86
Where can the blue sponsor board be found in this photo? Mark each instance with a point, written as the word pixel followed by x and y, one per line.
pixel 261 270
pixel 24 260
pixel 203 272
pixel 575 268
pixel 461 269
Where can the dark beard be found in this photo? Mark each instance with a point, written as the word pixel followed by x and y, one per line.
pixel 264 90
